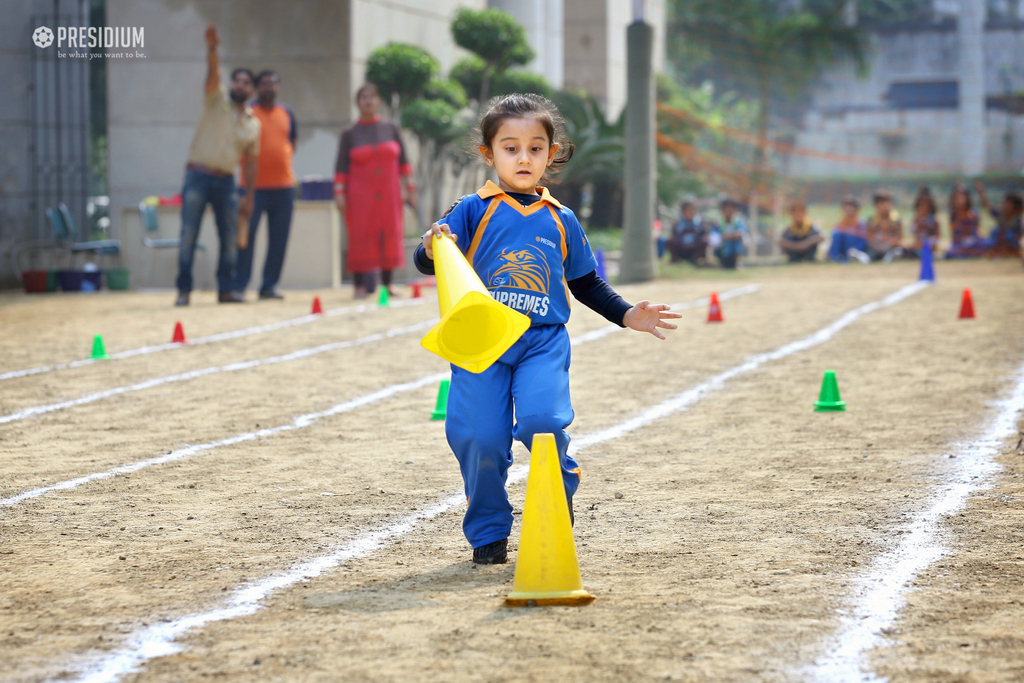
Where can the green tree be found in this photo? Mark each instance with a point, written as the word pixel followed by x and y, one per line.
pixel 400 72
pixel 517 80
pixel 448 90
pixel 779 46
pixel 498 41
pixel 437 124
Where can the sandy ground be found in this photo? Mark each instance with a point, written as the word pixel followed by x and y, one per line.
pixel 742 527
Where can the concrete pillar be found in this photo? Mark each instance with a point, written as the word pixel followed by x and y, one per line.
pixel 637 263
pixel 971 26
pixel 542 20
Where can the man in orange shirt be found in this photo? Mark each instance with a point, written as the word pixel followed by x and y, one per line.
pixel 275 185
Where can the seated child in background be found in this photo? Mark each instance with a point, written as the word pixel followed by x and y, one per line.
pixel 963 226
pixel 729 238
pixel 924 225
pixel 801 239
pixel 689 239
pixel 885 230
pixel 1006 236
pixel 848 234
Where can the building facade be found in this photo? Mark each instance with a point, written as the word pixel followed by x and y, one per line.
pixel 318 47
pixel 939 97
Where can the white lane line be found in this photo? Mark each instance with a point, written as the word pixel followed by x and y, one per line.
pixel 302 353
pixel 691 396
pixel 880 591
pixel 303 420
pixel 203 372
pixel 697 303
pixel 222 336
pixel 158 641
pixel 299 422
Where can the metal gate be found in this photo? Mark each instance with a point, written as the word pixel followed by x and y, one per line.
pixel 59 149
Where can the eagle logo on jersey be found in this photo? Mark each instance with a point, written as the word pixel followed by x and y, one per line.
pixel 522 269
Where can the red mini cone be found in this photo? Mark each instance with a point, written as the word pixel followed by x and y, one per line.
pixel 179 334
pixel 715 310
pixel 317 308
pixel 416 290
pixel 967 305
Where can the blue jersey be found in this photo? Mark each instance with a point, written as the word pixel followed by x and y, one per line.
pixel 525 256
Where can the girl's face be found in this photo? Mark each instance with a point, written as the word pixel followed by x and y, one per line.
pixel 960 201
pixel 850 211
pixel 520 152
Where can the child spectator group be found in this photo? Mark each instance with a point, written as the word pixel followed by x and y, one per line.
pixel 882 236
pixel 692 235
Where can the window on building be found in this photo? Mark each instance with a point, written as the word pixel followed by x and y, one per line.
pixel 924 95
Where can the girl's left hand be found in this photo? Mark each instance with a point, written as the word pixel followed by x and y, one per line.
pixel 648 317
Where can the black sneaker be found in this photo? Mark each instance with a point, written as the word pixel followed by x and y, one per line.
pixel 270 294
pixel 492 553
pixel 231 298
pixel 182 299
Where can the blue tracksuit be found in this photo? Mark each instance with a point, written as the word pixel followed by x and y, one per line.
pixel 525 256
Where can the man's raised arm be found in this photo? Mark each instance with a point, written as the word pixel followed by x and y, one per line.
pixel 212 62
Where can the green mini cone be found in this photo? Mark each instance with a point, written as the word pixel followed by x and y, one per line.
pixel 829 400
pixel 385 298
pixel 98 352
pixel 441 411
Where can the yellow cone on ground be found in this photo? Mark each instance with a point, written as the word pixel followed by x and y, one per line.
pixel 547 571
pixel 475 329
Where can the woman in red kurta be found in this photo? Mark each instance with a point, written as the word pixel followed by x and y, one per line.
pixel 368 192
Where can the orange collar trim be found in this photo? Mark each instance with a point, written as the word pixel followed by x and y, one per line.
pixel 490 189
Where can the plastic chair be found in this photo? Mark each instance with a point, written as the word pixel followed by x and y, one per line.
pixel 62 243
pixel 151 226
pixel 64 228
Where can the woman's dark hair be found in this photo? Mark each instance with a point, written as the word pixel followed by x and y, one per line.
pixel 958 189
pixel 528 105
pixel 1015 199
pixel 367 87
pixel 243 70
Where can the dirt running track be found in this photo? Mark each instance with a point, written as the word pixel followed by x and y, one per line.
pixel 744 523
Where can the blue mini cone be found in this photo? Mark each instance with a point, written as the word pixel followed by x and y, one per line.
pixel 927 267
pixel 600 264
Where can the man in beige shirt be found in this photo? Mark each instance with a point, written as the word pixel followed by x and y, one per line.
pixel 227 130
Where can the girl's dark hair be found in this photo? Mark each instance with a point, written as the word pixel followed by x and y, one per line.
pixel 367 87
pixel 925 195
pixel 952 204
pixel 527 105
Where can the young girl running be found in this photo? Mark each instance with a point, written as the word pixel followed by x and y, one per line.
pixel 521 240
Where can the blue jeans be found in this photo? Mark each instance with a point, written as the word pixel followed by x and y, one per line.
pixel 219 192
pixel 278 204
pixel 532 376
pixel 842 242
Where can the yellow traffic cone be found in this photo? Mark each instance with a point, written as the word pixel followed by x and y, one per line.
pixel 547 572
pixel 475 329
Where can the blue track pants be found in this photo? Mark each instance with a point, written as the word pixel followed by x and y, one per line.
pixel 531 378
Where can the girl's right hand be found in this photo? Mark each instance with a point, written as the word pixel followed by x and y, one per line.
pixel 440 230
